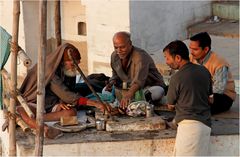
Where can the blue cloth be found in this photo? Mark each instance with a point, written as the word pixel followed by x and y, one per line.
pixel 4 54
pixel 104 97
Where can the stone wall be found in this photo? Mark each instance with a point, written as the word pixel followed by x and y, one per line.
pixel 154 24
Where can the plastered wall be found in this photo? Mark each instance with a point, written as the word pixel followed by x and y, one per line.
pixel 104 18
pixel 154 24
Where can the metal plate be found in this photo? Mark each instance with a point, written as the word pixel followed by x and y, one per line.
pixel 75 128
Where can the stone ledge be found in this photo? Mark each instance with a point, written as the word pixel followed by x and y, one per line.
pixel 220 145
pixel 224 28
pixel 136 124
pixel 227 10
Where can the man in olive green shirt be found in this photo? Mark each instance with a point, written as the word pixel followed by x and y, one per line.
pixel 135 67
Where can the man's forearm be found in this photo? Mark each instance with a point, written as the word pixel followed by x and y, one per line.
pixel 91 103
pixel 87 102
pixel 133 89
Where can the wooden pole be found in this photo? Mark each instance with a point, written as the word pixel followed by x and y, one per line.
pixel 88 84
pixel 18 95
pixel 58 22
pixel 6 100
pixel 14 49
pixel 41 73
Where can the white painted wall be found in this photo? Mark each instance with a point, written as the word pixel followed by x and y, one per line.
pixel 104 18
pixel 154 24
pixel 6 21
pixel 28 28
pixel 71 11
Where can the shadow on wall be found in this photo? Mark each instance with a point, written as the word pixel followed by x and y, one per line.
pixel 153 24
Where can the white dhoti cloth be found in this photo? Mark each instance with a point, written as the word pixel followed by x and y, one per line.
pixel 193 139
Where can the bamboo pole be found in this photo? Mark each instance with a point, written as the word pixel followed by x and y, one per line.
pixel 19 121
pixel 41 73
pixel 58 22
pixel 24 104
pixel 6 101
pixel 18 94
pixel 88 84
pixel 14 49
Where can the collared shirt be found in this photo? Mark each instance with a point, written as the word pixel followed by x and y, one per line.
pixel 141 69
pixel 219 78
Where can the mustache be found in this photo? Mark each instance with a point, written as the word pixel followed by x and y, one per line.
pixel 70 72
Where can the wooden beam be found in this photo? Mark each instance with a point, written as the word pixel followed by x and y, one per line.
pixel 41 77
pixel 19 120
pixel 14 50
pixel 18 95
pixel 58 22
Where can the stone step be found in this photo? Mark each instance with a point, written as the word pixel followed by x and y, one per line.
pixel 223 23
pixel 226 9
pixel 223 27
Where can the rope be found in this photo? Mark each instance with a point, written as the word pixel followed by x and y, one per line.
pixel 14 47
pixel 11 115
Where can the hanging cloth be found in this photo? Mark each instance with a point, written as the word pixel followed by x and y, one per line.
pixel 4 55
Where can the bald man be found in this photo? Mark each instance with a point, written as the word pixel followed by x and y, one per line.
pixel 135 67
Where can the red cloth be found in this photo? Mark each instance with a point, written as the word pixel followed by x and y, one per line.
pixel 82 101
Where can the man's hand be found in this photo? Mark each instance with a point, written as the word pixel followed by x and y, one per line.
pixel 127 96
pixel 61 106
pixel 126 99
pixel 171 107
pixel 109 85
pixel 100 106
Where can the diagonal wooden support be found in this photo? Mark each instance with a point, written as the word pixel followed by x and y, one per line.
pixel 88 84
pixel 19 97
pixel 19 120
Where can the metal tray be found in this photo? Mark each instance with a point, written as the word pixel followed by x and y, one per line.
pixel 90 122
